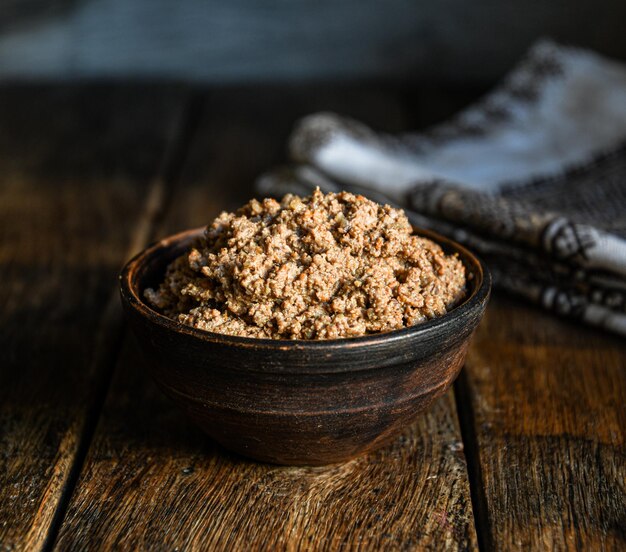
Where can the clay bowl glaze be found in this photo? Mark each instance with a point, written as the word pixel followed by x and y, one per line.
pixel 300 402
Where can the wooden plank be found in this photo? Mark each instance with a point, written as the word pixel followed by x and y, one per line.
pixel 77 177
pixel 547 401
pixel 153 482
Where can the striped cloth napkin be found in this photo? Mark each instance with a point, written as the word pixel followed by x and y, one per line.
pixel 532 177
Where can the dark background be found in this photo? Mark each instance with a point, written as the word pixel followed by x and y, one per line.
pixel 447 42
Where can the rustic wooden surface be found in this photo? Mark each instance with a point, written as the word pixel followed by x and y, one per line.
pixel 392 497
pixel 534 430
pixel 547 401
pixel 73 185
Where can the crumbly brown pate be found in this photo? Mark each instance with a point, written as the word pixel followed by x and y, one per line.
pixel 320 267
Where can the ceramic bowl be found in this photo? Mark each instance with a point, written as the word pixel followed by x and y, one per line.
pixel 300 402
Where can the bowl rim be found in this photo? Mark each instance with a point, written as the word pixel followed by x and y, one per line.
pixel 479 296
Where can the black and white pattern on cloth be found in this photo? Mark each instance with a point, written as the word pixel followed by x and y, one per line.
pixel 539 190
pixel 522 86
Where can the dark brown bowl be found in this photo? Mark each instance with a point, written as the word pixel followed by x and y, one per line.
pixel 293 401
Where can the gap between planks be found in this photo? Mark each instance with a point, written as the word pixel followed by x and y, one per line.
pixel 111 331
pixel 466 418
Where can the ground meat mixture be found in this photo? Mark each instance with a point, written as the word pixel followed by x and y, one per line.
pixel 321 267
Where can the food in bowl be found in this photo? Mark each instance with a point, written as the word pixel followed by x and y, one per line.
pixel 300 402
pixel 326 266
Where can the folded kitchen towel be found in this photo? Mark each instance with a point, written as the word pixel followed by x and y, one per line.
pixel 532 177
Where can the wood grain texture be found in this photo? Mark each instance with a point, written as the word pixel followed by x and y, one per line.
pixel 153 481
pixel 548 402
pixel 71 194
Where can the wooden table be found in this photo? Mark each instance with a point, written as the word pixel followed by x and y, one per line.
pixel 527 451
